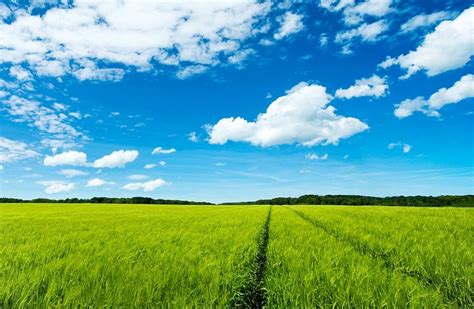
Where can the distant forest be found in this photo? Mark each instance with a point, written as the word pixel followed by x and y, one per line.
pixel 106 200
pixel 433 201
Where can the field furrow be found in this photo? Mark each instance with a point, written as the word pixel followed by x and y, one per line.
pixel 252 293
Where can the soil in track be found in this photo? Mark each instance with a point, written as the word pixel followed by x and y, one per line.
pixel 252 293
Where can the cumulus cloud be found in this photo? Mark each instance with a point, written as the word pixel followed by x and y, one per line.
pixel 313 157
pixel 290 23
pixel 75 158
pixel 86 39
pixel 11 150
pixel 54 187
pixel 145 186
pixel 160 150
pixel 366 87
pixel 149 166
pixel 405 147
pixel 116 159
pixel 462 89
pixel 424 20
pixel 70 173
pixel 448 47
pixel 96 182
pixel 302 116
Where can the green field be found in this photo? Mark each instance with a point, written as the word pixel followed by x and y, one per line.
pixel 220 256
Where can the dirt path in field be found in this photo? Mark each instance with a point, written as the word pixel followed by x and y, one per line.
pixel 387 259
pixel 252 293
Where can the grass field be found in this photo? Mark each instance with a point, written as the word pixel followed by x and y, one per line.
pixel 217 256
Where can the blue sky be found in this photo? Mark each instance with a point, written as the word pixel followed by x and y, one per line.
pixel 236 101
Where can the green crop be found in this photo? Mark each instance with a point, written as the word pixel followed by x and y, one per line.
pixel 92 255
pixel 124 255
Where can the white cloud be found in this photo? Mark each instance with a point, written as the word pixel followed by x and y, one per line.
pixel 20 73
pixel 365 32
pixel 137 177
pixel 388 62
pixel 462 89
pixel 290 23
pixel 313 157
pixel 146 186
pixel 4 11
pixel 405 147
pixel 11 150
pixel 191 70
pixel 353 13
pixel 162 163
pixel 266 42
pixel 159 150
pixel 448 47
pixel 1 167
pixel 93 73
pixel 53 186
pixel 44 118
pixel 376 8
pixel 149 166
pixel 301 116
pixel 366 87
pixel 116 159
pixel 241 56
pixel 96 182
pixel 424 20
pixel 84 38
pixel 76 115
pixel 75 158
pixel 70 173
pixel 323 39
pixel 50 122
pixel 59 106
pixel 193 137
pixel 407 107
pixel 56 144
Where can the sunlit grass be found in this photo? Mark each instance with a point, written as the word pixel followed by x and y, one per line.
pixel 124 255
pixel 217 256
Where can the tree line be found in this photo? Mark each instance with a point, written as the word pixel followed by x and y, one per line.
pixel 431 201
pixel 106 200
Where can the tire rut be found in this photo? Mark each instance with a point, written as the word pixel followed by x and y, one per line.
pixel 386 258
pixel 252 293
